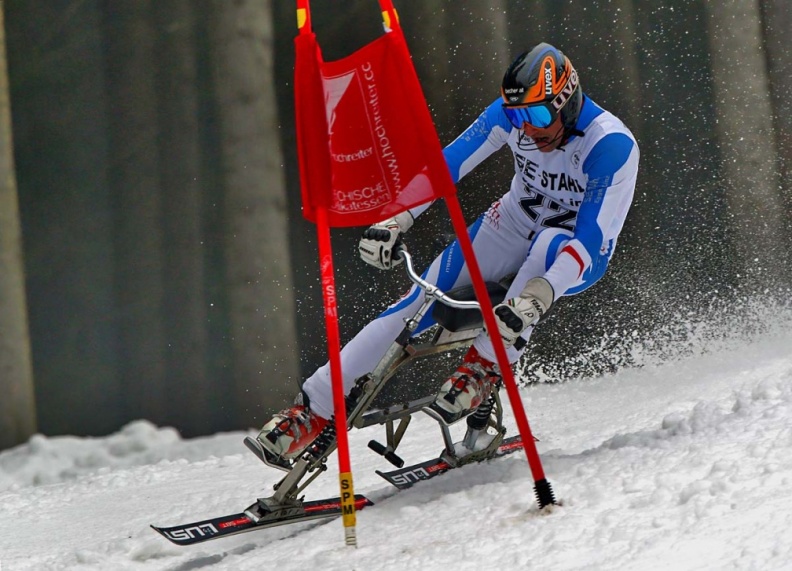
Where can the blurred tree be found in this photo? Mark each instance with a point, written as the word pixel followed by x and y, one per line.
pixel 190 391
pixel 303 251
pixel 605 55
pixel 528 23
pixel 678 192
pixel 479 54
pixel 60 128
pixel 777 21
pixel 258 265
pixel 17 407
pixel 425 26
pixel 746 138
pixel 134 177
pixel 478 39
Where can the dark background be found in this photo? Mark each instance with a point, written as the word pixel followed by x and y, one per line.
pixel 169 274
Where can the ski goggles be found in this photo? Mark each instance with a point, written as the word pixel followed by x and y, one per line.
pixel 539 116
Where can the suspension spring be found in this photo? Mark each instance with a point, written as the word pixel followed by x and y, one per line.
pixel 478 420
pixel 325 439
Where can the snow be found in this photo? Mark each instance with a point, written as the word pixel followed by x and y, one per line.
pixel 681 464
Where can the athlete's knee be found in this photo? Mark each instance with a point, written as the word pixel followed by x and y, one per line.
pixel 548 243
pixel 592 275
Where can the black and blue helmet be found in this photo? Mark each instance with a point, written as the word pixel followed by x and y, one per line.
pixel 538 86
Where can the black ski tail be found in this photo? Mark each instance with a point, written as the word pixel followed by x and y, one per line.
pixel 404 478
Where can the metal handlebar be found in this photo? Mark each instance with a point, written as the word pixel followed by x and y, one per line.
pixel 431 290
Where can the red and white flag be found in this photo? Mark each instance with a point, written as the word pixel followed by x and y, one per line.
pixel 374 152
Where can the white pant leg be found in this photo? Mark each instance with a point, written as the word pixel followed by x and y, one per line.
pixel 542 253
pixel 544 250
pixel 499 252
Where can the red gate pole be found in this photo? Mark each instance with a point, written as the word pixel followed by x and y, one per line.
pixel 334 353
pixel 543 489
pixel 333 342
pixel 544 492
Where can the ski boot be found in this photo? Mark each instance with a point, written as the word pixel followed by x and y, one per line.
pixel 469 386
pixel 287 435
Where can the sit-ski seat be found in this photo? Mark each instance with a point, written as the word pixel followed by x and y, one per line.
pixel 454 319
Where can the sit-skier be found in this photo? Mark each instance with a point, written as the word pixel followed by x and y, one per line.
pixel 556 228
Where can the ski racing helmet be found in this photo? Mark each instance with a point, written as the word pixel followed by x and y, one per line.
pixel 538 86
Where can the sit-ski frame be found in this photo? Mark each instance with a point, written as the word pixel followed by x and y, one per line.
pixel 402 351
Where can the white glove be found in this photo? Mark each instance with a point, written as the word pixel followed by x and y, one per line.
pixel 376 245
pixel 515 315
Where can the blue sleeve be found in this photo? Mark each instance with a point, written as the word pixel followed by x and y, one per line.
pixel 608 157
pixel 486 135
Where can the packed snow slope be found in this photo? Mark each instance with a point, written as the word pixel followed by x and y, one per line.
pixel 679 464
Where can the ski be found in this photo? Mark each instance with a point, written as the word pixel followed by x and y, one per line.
pixel 404 478
pixel 263 515
pixel 257 516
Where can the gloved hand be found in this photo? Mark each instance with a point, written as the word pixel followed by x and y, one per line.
pixel 515 315
pixel 376 245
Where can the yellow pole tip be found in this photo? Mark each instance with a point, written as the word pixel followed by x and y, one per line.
pixel 386 18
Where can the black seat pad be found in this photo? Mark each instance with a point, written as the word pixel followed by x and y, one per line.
pixel 464 319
